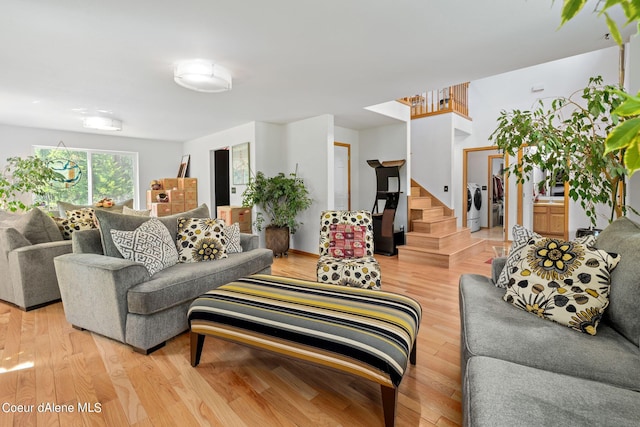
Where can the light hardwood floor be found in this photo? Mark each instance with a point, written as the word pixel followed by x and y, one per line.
pixel 43 360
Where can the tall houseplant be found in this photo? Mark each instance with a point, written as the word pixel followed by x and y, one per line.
pixel 569 135
pixel 623 139
pixel 281 198
pixel 25 175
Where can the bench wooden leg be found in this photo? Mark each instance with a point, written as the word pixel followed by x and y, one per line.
pixel 414 350
pixel 389 402
pixel 197 340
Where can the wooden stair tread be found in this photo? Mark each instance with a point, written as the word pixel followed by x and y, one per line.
pixel 447 249
pixel 438 234
pixel 435 219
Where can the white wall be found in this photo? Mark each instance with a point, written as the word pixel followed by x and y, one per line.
pixel 508 91
pixel 199 149
pixel 384 143
pixel 309 145
pixel 156 159
pixel 633 86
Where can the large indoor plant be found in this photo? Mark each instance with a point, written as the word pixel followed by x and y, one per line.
pixel 281 198
pixel 25 175
pixel 569 134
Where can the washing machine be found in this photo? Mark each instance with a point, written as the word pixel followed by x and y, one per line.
pixel 474 203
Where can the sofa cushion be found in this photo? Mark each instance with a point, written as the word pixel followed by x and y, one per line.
pixel 494 328
pixel 35 225
pixel 201 239
pixel 184 282
pixel 623 236
pixel 63 207
pixel 110 220
pixel 503 394
pixel 150 244
pixel 565 282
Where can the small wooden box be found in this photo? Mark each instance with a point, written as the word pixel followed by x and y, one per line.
pixel 152 197
pixel 233 214
pixel 189 205
pixel 191 196
pixel 188 183
pixel 160 209
pixel 177 207
pixel 176 196
pixel 169 183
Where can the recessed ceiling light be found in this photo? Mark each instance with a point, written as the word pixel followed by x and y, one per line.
pixel 102 123
pixel 202 75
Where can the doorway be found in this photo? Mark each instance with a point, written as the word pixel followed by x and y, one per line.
pixel 220 178
pixel 342 176
pixel 477 177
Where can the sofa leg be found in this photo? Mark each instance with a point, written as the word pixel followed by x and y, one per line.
pixel 412 355
pixel 389 401
pixel 150 350
pixel 197 340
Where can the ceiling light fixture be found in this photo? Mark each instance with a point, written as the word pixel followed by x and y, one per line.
pixel 102 123
pixel 202 75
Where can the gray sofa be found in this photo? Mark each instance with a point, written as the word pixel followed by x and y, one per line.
pixel 117 298
pixel 518 369
pixel 28 244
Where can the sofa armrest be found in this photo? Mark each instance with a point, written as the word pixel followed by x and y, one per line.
pixel 33 273
pixel 94 291
pixel 497 265
pixel 249 242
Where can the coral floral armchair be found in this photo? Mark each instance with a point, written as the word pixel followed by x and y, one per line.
pixel 346 250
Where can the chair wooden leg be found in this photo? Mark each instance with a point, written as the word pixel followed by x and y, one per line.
pixel 389 403
pixel 197 340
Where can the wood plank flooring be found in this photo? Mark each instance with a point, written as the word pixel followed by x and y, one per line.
pixel 81 379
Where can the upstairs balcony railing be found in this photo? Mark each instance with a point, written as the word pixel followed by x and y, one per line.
pixel 452 99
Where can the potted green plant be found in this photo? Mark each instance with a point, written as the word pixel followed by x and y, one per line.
pixel 24 175
pixel 569 135
pixel 281 198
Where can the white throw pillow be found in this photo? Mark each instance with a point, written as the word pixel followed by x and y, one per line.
pixel 232 233
pixel 150 244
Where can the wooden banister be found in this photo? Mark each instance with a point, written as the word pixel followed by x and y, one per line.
pixel 452 99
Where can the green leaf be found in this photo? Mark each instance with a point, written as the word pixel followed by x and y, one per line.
pixel 630 107
pixel 613 28
pixel 632 158
pixel 623 135
pixel 570 9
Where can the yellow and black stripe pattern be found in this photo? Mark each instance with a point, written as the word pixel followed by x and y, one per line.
pixel 364 332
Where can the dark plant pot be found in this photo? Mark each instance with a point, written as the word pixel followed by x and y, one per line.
pixel 580 232
pixel 277 239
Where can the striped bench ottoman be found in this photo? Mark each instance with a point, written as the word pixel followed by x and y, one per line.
pixel 368 333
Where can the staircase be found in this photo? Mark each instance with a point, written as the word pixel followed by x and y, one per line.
pixel 433 236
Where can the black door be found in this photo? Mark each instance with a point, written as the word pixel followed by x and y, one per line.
pixel 221 180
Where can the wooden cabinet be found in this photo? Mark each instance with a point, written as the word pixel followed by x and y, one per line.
pixel 549 219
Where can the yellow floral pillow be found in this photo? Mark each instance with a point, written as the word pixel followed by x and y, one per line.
pixel 566 282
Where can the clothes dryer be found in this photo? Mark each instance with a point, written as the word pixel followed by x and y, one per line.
pixel 474 203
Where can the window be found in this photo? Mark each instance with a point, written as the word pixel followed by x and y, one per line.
pixel 112 174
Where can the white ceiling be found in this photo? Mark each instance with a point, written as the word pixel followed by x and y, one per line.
pixel 290 59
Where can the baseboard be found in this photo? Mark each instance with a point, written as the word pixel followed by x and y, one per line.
pixel 303 253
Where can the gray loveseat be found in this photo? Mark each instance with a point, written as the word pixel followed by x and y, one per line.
pixel 518 369
pixel 28 244
pixel 118 298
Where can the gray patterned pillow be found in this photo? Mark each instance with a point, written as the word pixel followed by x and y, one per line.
pixel 150 244
pixel 201 239
pixel 232 233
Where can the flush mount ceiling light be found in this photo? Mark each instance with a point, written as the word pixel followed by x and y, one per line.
pixel 102 123
pixel 202 75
